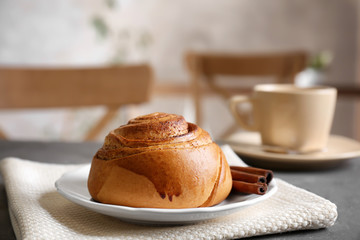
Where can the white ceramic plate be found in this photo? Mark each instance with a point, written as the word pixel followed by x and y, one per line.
pixel 73 186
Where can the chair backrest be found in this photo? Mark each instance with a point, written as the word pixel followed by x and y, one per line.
pixel 75 87
pixel 283 66
pixel 206 67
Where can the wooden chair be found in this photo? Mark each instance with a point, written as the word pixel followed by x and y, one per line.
pixel 207 67
pixel 113 87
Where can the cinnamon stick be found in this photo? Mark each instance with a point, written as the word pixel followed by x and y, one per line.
pixel 247 177
pixel 250 180
pixel 268 174
pixel 252 188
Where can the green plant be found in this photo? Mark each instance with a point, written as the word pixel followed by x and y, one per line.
pixel 321 60
pixel 124 41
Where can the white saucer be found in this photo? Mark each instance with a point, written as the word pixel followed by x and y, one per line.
pixel 73 186
pixel 339 148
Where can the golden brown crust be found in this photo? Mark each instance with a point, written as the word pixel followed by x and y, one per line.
pixel 159 160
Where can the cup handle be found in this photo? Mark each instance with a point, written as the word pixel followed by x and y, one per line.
pixel 234 101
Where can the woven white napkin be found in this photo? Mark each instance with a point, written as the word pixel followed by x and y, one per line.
pixel 38 212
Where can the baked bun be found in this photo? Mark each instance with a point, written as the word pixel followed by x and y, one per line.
pixel 159 161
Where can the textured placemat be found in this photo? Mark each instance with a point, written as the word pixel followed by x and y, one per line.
pixel 38 212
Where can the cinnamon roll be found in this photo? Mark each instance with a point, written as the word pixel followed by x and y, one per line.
pixel 159 161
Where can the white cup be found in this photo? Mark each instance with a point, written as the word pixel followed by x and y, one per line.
pixel 293 118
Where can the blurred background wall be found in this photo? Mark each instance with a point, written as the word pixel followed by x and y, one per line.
pixel 102 32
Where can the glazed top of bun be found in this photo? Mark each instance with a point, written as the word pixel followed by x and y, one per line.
pixel 152 132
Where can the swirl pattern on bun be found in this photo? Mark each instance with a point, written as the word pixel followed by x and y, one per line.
pixel 159 161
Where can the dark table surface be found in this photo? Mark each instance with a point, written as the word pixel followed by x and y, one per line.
pixel 339 185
